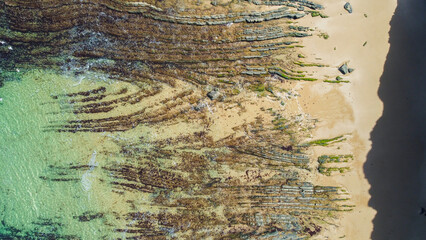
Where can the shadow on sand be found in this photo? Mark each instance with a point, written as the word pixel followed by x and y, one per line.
pixel 396 164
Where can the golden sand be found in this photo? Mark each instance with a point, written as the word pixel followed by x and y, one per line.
pixel 351 108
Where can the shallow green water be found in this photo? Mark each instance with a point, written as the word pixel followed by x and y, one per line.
pixel 29 204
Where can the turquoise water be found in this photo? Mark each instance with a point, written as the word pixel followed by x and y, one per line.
pixel 30 205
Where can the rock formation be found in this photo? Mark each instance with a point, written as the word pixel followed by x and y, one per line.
pixel 172 60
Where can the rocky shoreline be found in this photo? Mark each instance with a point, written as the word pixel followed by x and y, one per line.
pixel 252 179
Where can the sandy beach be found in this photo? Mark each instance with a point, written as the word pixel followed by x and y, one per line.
pixel 349 108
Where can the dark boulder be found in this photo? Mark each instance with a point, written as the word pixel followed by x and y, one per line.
pixel 344 69
pixel 348 7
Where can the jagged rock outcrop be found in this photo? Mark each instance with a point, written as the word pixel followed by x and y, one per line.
pixel 171 63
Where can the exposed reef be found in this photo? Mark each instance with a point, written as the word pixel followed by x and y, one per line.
pixel 175 65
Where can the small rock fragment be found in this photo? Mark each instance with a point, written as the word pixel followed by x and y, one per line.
pixel 350 70
pixel 199 106
pixel 213 95
pixel 348 7
pixel 344 69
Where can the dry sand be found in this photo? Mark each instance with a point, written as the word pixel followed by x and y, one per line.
pixel 348 108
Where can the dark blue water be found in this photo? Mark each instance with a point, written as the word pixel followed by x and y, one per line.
pixel 396 164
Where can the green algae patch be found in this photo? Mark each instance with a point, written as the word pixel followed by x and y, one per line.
pixel 316 14
pixel 260 87
pixel 227 81
pixel 289 76
pixel 280 123
pixel 329 164
pixel 336 81
pixel 324 35
pixel 303 64
pixel 326 142
pixel 335 158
